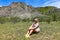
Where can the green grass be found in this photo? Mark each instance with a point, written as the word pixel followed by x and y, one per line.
pixel 11 31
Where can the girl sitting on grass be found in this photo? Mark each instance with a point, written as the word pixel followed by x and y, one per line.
pixel 33 28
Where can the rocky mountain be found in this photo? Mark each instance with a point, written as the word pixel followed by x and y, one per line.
pixel 22 10
pixel 19 9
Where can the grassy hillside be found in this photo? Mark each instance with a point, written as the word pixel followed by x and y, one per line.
pixel 47 10
pixel 51 11
pixel 11 31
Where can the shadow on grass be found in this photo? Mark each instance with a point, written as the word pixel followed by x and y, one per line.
pixel 35 33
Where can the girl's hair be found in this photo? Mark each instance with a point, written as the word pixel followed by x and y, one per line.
pixel 36 19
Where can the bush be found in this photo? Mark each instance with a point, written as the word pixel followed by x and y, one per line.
pixel 26 19
pixel 58 18
pixel 15 19
pixel 54 16
pixel 3 20
pixel 43 18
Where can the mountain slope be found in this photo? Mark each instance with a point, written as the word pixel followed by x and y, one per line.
pixel 19 9
pixel 22 10
pixel 48 10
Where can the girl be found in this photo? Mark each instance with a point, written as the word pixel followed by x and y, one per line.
pixel 34 27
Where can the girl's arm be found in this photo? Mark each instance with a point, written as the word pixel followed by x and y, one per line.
pixel 31 27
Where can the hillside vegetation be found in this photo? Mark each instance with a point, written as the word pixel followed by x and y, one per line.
pixel 24 12
pixel 52 12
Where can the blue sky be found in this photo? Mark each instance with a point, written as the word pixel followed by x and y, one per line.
pixel 34 3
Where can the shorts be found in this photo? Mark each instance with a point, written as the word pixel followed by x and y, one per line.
pixel 37 29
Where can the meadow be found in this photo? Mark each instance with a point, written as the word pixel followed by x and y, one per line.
pixel 16 31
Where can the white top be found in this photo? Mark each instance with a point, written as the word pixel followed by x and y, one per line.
pixel 36 25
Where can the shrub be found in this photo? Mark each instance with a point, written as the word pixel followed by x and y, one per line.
pixel 3 20
pixel 54 16
pixel 26 19
pixel 15 19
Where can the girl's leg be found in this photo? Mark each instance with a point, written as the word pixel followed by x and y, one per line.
pixel 36 30
pixel 30 32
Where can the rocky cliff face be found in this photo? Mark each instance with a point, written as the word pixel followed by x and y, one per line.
pixel 18 9
pixel 22 10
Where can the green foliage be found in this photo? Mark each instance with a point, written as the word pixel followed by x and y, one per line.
pixel 15 19
pixel 58 18
pixel 26 19
pixel 47 19
pixel 46 10
pixel 54 16
pixel 3 20
pixel 51 11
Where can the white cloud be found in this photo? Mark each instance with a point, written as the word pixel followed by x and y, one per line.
pixel 57 4
pixel 52 3
pixel 0 6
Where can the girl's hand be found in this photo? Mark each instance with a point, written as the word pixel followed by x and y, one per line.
pixel 33 28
